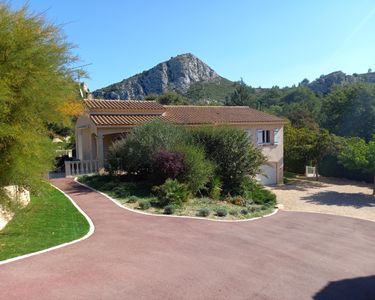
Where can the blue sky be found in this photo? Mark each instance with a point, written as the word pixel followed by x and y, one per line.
pixel 265 42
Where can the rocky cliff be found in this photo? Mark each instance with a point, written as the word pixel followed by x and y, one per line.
pixel 177 74
pixel 323 84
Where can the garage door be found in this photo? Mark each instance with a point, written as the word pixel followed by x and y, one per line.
pixel 269 176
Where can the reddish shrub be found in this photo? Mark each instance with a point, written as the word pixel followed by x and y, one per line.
pixel 168 165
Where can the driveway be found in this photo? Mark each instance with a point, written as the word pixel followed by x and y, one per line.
pixel 329 195
pixel 290 255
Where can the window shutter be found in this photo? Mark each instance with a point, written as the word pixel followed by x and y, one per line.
pixel 259 137
pixel 276 136
pixel 248 133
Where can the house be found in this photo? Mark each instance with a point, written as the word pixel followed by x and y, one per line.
pixel 107 120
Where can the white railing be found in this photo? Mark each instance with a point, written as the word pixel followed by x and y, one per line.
pixel 82 167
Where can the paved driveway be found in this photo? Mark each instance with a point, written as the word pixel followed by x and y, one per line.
pixel 329 195
pixel 291 255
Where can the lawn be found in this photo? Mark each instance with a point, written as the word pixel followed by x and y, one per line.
pixel 132 193
pixel 50 219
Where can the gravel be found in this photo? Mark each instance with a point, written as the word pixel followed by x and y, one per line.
pixel 330 196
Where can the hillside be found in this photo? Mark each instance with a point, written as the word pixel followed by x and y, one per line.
pixel 323 84
pixel 200 84
pixel 184 74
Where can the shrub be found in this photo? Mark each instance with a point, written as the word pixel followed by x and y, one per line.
pixel 109 186
pixel 133 199
pixel 255 193
pixel 197 169
pixel 137 150
pixel 167 165
pixel 255 208
pixel 233 153
pixel 203 212
pixel 233 212
pixel 215 188
pixel 144 204
pixel 244 211
pixel 169 210
pixel 221 211
pixel 171 192
pixel 121 191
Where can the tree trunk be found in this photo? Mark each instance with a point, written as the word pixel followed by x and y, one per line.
pixel 316 172
pixel 373 187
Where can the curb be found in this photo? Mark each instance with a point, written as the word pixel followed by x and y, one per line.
pixel 87 235
pixel 172 216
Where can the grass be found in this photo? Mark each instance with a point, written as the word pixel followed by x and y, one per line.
pixel 122 190
pixel 50 219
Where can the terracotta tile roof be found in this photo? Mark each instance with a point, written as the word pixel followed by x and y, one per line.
pixel 121 119
pixel 121 105
pixel 132 112
pixel 216 115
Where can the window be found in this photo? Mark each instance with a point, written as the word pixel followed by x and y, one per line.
pixel 263 137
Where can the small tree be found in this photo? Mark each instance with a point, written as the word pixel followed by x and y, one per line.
pixel 36 89
pixel 137 150
pixel 357 154
pixel 243 95
pixel 172 98
pixel 307 146
pixel 233 153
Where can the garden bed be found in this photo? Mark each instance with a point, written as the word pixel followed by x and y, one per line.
pixel 137 195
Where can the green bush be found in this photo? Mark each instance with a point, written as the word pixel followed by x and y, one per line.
pixel 215 188
pixel 255 193
pixel 233 212
pixel 197 169
pixel 169 210
pixel 244 211
pixel 144 204
pixel 221 211
pixel 121 191
pixel 132 199
pixel 171 192
pixel 203 212
pixel 136 151
pixel 233 153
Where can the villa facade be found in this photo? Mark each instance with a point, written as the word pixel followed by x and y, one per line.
pixel 107 120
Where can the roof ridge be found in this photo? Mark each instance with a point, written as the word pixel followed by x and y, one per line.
pixel 209 106
pixel 120 100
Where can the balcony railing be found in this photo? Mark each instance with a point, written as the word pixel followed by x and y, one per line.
pixel 82 167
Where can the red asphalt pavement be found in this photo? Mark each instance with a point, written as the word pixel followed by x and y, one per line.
pixel 290 255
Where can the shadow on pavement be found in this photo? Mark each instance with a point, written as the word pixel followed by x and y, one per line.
pixel 356 200
pixel 361 288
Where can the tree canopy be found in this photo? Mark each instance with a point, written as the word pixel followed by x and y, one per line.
pixel 357 154
pixel 36 88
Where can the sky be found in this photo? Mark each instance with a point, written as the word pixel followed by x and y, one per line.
pixel 265 42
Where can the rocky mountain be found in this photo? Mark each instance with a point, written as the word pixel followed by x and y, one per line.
pixel 323 84
pixel 177 74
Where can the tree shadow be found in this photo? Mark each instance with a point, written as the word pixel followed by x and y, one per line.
pixel 356 200
pixel 300 185
pixel 360 288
